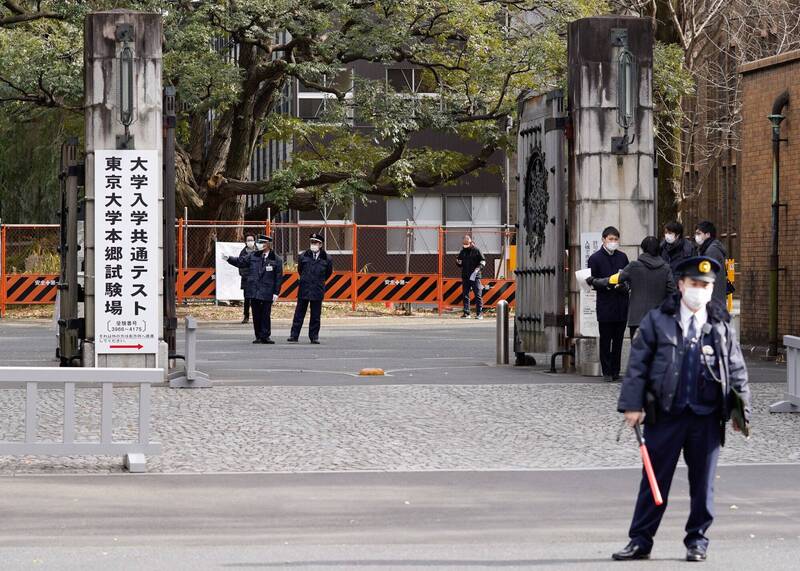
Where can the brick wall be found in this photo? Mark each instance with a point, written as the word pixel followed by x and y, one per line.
pixel 762 83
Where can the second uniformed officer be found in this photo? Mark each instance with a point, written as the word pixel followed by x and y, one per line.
pixel 315 266
pixel 263 285
pixel 687 371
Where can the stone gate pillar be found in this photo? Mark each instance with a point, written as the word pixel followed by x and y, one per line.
pixel 611 158
pixel 123 98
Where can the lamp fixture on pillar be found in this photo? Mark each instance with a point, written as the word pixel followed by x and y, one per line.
pixel 627 92
pixel 124 35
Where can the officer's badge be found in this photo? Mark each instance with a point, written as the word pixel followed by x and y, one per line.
pixel 708 350
pixel 704 267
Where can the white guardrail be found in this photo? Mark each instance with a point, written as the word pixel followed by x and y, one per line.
pixel 791 400
pixel 69 379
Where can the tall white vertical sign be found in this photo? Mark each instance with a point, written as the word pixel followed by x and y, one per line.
pixel 127 275
pixel 590 243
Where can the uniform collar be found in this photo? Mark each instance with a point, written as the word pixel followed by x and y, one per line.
pixel 701 317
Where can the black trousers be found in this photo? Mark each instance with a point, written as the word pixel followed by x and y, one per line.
pixel 247 302
pixel 300 316
pixel 698 437
pixel 262 318
pixel 611 335
pixel 476 288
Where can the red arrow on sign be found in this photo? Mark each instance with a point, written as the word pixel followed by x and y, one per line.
pixel 139 346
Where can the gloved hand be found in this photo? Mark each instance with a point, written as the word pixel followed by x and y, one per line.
pixel 590 280
pixel 600 283
pixel 473 276
pixel 225 257
pixel 274 298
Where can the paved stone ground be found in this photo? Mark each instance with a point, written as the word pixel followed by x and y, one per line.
pixel 387 428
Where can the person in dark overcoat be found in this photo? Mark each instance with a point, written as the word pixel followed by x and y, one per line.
pixel 249 247
pixel 675 247
pixel 705 235
pixel 315 266
pixel 685 377
pixel 612 302
pixel 264 279
pixel 650 280
pixel 471 261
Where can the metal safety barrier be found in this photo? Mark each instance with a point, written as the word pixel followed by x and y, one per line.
pixel 502 332
pixel 791 399
pixel 190 377
pixel 69 379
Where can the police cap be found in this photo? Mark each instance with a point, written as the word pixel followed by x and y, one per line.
pixel 264 238
pixel 315 237
pixel 700 268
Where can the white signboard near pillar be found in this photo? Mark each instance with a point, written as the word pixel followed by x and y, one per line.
pixel 126 251
pixel 590 243
pixel 228 281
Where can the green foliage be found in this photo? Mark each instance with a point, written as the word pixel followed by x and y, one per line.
pixel 474 57
pixel 672 82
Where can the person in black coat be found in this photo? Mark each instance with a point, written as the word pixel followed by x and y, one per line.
pixel 650 281
pixel 315 266
pixel 264 279
pixel 471 261
pixel 686 375
pixel 612 302
pixel 249 247
pixel 705 235
pixel 675 247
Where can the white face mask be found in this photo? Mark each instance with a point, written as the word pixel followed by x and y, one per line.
pixel 250 244
pixel 315 247
pixel 696 298
pixel 699 239
pixel 612 246
pixel 670 238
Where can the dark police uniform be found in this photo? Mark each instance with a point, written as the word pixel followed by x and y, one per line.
pixel 243 285
pixel 683 372
pixel 264 279
pixel 314 268
pixel 471 259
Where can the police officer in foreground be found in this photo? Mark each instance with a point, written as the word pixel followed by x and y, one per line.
pixel 685 376
pixel 315 266
pixel 264 278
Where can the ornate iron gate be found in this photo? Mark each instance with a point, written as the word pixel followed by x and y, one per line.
pixel 540 322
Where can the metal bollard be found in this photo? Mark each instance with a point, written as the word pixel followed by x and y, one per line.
pixel 189 377
pixel 502 332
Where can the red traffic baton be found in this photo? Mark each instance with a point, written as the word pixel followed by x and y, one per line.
pixel 648 466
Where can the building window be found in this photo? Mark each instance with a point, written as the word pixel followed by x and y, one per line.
pixel 419 210
pixel 479 216
pixel 411 80
pixel 334 223
pixel 312 104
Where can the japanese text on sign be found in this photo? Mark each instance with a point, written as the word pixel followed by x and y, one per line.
pixel 127 187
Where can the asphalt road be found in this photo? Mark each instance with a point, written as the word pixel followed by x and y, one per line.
pixel 411 351
pixel 364 521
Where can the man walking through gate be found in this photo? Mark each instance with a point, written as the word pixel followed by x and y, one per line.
pixel 315 266
pixel 264 279
pixel 612 302
pixel 471 262
pixel 688 374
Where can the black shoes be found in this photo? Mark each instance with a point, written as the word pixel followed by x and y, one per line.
pixel 695 553
pixel 630 552
pixel 292 340
pixel 256 341
pixel 246 320
pixel 315 341
pixel 268 341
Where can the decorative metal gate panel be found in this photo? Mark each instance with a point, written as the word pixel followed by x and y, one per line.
pixel 542 206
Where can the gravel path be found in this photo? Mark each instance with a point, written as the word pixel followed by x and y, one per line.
pixel 386 428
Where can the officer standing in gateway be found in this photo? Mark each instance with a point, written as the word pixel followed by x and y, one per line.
pixel 315 266
pixel 686 376
pixel 263 285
